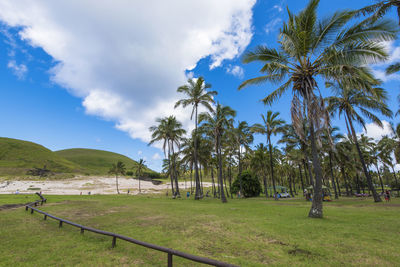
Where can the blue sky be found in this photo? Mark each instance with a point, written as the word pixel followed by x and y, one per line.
pixel 97 77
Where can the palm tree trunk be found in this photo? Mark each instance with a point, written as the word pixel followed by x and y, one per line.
pixel 310 172
pixel 345 180
pixel 395 178
pixel 358 183
pixel 213 183
pixel 338 186
pixel 305 173
pixel 230 179
pixel 178 194
pixel 316 207
pixel 301 178
pixel 380 177
pixel 201 182
pixel 191 178
pixel 271 164
pixel 369 179
pixel 196 168
pixel 332 176
pixel 116 182
pixel 221 182
pixel 290 184
pixel 139 186
pixel 226 187
pixel 170 170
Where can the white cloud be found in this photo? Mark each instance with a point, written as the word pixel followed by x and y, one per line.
pixel 272 25
pixel 156 156
pixel 126 60
pixel 381 74
pixel 394 57
pixel 140 152
pixel 279 8
pixel 19 70
pixel 375 132
pixel 235 71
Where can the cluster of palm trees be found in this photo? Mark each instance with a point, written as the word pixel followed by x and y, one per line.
pixel 335 51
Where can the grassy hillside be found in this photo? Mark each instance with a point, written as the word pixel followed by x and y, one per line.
pixel 96 161
pixel 17 156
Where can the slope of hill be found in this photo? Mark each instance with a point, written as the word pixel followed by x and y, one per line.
pixel 17 156
pixel 97 161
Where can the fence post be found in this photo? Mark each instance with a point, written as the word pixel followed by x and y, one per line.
pixel 45 217
pixel 114 241
pixel 31 210
pixel 41 203
pixel 60 224
pixel 26 208
pixel 35 204
pixel 169 260
pixel 82 230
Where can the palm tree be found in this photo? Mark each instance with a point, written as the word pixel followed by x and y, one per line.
pixel 349 103
pixel 272 125
pixel 170 132
pixel 379 9
pixel 311 48
pixel 258 164
pixel 197 94
pixel 216 123
pixel 116 169
pixel 139 170
pixel 243 138
pixel 387 146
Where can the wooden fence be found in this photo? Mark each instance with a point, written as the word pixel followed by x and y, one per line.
pixel 170 252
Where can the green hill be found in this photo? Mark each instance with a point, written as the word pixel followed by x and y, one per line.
pixel 17 157
pixel 97 161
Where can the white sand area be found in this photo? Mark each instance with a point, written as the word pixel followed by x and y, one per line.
pixel 84 185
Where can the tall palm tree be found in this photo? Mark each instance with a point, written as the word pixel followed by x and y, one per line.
pixel 244 138
pixel 350 103
pixel 216 123
pixel 117 169
pixel 258 163
pixel 197 95
pixel 139 170
pixel 311 48
pixel 272 125
pixel 170 132
pixel 387 146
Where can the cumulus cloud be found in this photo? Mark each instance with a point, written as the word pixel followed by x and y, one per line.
pixel 19 70
pixel 156 156
pixel 375 132
pixel 140 152
pixel 126 60
pixel 394 56
pixel 235 71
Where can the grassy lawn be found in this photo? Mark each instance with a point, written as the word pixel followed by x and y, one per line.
pixel 248 232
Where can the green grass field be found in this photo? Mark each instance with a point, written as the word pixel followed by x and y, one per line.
pixel 246 232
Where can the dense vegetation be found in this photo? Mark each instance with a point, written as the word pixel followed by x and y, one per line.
pixel 312 52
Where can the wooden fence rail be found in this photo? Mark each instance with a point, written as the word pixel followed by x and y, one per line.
pixel 170 252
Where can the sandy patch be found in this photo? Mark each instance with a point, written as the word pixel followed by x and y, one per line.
pixel 84 185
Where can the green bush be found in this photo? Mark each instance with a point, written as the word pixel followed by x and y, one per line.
pixel 251 186
pixel 129 173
